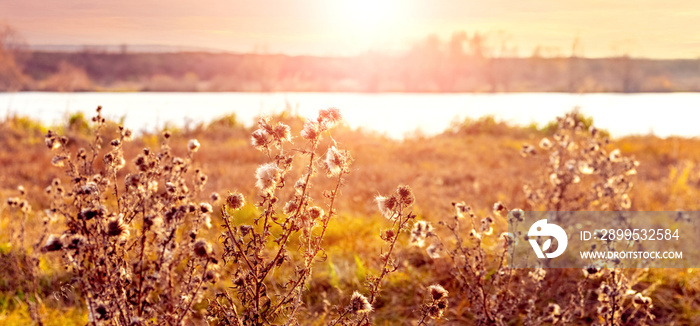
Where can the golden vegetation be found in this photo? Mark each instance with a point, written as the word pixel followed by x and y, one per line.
pixel 362 265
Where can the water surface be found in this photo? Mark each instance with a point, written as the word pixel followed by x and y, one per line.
pixel 395 114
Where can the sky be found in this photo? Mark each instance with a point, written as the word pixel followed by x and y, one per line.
pixel 641 28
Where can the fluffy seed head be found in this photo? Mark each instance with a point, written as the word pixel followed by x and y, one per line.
pixel 545 143
pixel 311 130
pixel 315 213
pixel 193 145
pixel 282 132
pixel 641 300
pixel 387 205
pixel 89 188
pixel 59 160
pixel 116 227
pixel 205 208
pixel 359 303
pixel 259 138
pixel 433 251
pixel 329 117
pixel 405 195
pixel 437 292
pixel 267 177
pixel 335 161
pixel 235 200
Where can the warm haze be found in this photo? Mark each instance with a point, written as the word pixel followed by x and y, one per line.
pixel 654 29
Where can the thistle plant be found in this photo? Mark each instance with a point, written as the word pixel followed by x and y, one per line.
pixel 262 249
pixel 495 292
pixel 397 209
pixel 130 241
pixel 581 173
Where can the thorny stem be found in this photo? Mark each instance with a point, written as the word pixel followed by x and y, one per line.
pixel 194 294
pixel 468 267
pixel 285 236
pixel 316 248
pixel 375 286
pixel 143 247
pixel 614 301
pixel 317 241
pixel 233 238
pixel 422 319
pixel 340 317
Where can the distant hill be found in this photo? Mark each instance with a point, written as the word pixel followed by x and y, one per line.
pixel 119 48
pixel 165 68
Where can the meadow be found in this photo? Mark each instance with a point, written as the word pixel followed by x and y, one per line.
pixel 314 223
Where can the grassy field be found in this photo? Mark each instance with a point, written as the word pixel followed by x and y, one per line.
pixel 478 162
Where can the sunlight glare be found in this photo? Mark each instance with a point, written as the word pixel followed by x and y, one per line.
pixel 367 18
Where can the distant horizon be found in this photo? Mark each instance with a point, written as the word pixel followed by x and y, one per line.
pixel 142 48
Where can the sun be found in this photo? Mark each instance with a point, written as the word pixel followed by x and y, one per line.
pixel 368 18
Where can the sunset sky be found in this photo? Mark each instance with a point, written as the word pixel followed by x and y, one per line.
pixel 643 28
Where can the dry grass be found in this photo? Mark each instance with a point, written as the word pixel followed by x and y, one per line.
pixel 477 161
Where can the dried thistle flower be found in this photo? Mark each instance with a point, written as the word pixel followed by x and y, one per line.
pixel 329 117
pixel 335 161
pixel 235 200
pixel 193 145
pixel 460 209
pixel 545 144
pixel 420 231
pixel 101 312
pixel 290 207
pixel 517 215
pixel 59 160
pixel 437 292
pixel 282 132
pixel 499 208
pixel 90 188
pixel 127 135
pixel 205 208
pixel 527 150
pixel 592 271
pixel 267 177
pixel 202 248
pixel 13 201
pixel 359 304
pixel 486 227
pixel 387 206
pixel 537 274
pixel 315 213
pixel 615 156
pixel 433 251
pixel 406 195
pixel 53 243
pixel 311 130
pixel 259 139
pixel 553 312
pixel 641 300
pixel 116 227
pixel 625 201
